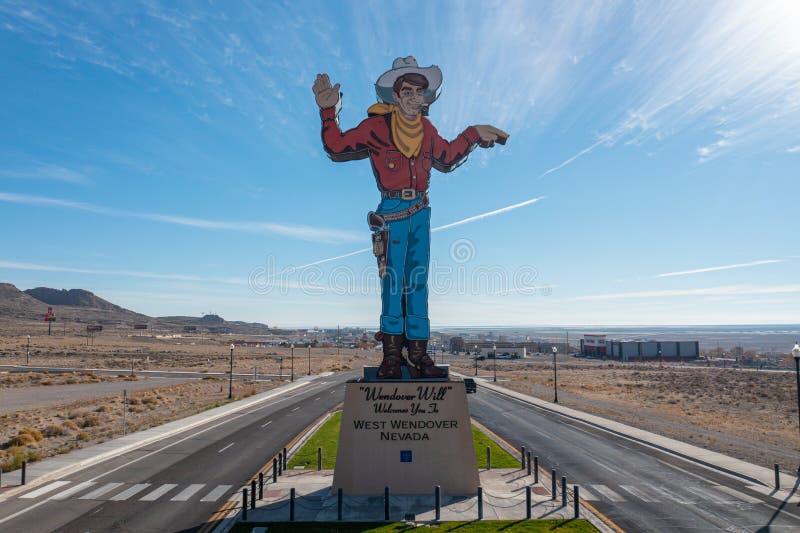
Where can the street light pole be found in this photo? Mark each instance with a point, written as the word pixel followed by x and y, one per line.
pixel 494 349
pixel 230 378
pixel 555 375
pixel 796 355
pixel 28 352
pixel 660 359
pixel 476 359
pixel 309 359
pixel 292 363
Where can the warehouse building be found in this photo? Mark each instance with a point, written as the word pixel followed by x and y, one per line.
pixel 599 346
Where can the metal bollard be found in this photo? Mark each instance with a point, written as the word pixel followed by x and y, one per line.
pixel 488 458
pixel 24 468
pixel 274 470
pixel 244 504
pixel 280 464
pixel 528 502
pixel 529 462
pixel 386 503
pixel 285 457
pixel 536 469
pixel 438 501
pixel 339 505
pixel 522 458
pixel 553 484
pixel 563 491
pixel 319 458
pixel 480 503
pixel 777 475
pixel 261 485
pixel 1 478
pixel 577 501
pixel 252 494
pixel 291 504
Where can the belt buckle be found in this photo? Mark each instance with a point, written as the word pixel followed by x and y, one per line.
pixel 408 194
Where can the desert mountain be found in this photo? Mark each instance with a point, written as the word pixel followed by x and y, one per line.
pixel 71 297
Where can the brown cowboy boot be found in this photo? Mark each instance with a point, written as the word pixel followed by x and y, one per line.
pixel 421 364
pixel 392 357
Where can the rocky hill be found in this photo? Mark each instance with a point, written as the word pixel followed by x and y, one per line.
pixel 71 297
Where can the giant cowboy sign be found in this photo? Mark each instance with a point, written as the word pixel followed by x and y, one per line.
pixel 402 146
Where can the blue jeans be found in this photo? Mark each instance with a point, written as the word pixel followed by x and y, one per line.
pixel 404 288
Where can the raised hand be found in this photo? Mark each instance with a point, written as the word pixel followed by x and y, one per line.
pixel 489 135
pixel 326 95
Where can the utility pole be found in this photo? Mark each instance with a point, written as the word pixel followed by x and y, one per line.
pixel 28 352
pixel 555 375
pixel 230 379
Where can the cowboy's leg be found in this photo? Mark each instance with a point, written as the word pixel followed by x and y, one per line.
pixel 392 283
pixel 417 324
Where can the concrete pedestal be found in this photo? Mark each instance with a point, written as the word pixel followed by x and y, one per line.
pixel 407 435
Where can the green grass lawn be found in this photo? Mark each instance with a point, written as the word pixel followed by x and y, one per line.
pixel 514 526
pixel 327 438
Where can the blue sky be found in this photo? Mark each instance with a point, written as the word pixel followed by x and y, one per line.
pixel 167 157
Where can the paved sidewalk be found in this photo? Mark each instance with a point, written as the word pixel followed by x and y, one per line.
pixel 717 461
pixel 60 465
pixel 504 498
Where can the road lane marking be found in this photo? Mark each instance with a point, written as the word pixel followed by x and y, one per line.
pixel 585 494
pixel 638 493
pixel 295 409
pixel 188 492
pixel 317 398
pixel 127 493
pixel 667 494
pixel 708 495
pixel 44 490
pixel 740 495
pixel 226 447
pixel 64 494
pixel 608 493
pixel 159 492
pixel 96 493
pixel 216 494
pixel 268 423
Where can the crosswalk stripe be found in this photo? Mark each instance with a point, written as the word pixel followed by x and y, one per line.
pixel 127 493
pixel 708 495
pixel 668 495
pixel 608 493
pixel 587 495
pixel 159 492
pixel 638 493
pixel 64 494
pixel 215 494
pixel 44 490
pixel 740 495
pixel 188 492
pixel 96 493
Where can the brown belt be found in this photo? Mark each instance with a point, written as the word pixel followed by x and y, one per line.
pixel 404 194
pixel 376 220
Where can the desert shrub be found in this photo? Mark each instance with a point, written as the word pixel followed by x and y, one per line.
pixel 23 439
pixel 70 381
pixel 54 431
pixel 90 421
pixel 72 415
pixel 149 400
pixel 35 433
pixel 134 401
pixel 12 458
pixel 82 436
pixel 104 409
pixel 69 424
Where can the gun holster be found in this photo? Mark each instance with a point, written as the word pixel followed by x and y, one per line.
pixel 380 240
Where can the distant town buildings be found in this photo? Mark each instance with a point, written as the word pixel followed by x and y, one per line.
pixel 601 346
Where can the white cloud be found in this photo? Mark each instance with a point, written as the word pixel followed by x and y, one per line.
pixel 48 172
pixel 793 149
pixel 706 291
pixel 306 233
pixel 724 267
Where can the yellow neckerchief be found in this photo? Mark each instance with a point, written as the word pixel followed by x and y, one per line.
pixel 407 134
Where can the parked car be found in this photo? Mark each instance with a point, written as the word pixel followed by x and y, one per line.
pixel 470 385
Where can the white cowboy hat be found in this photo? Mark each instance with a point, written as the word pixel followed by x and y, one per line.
pixel 405 65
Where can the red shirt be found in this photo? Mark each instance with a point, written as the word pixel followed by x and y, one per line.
pixel 394 171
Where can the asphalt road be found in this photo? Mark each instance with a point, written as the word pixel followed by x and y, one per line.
pixel 175 484
pixel 638 487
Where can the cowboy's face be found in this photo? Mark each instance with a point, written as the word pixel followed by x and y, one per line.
pixel 410 99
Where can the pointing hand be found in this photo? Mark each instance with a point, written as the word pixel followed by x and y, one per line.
pixel 489 135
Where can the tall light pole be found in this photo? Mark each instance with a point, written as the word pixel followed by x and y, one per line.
pixel 494 349
pixel 338 340
pixel 309 359
pixel 476 359
pixel 555 375
pixel 230 378
pixel 28 352
pixel 660 359
pixel 796 355
pixel 292 345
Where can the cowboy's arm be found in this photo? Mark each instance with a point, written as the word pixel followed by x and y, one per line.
pixel 343 146
pixel 447 155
